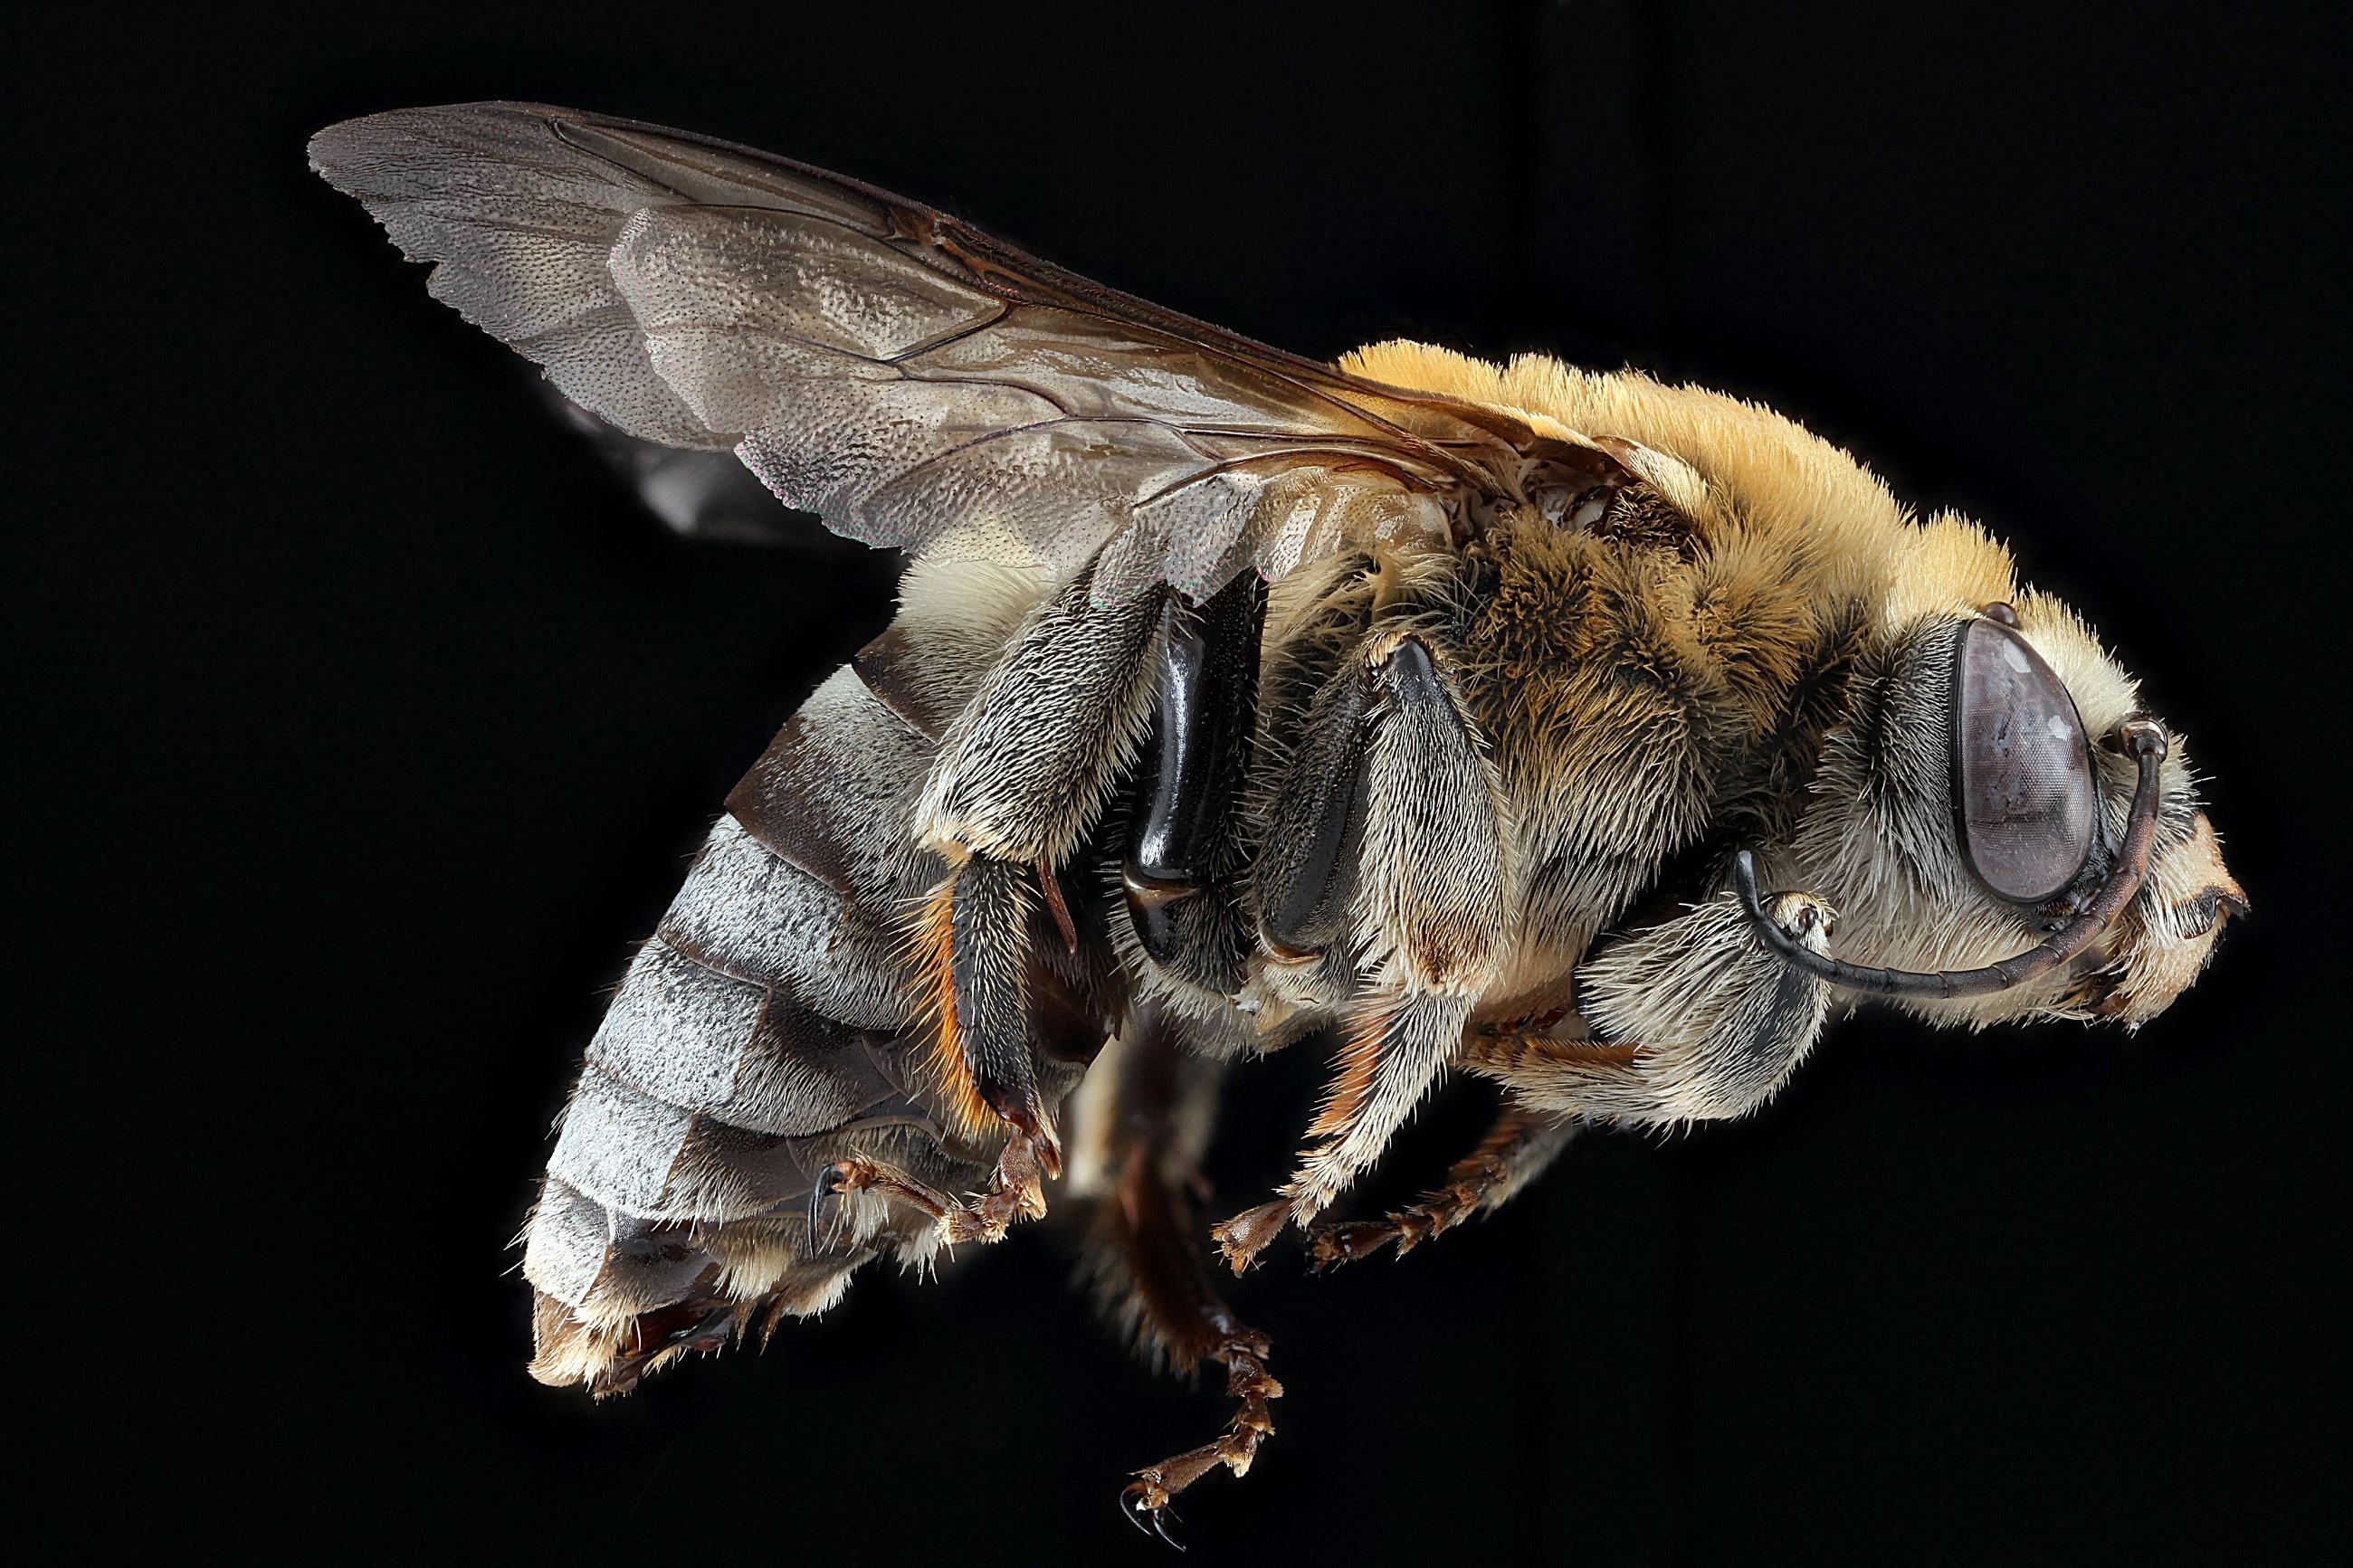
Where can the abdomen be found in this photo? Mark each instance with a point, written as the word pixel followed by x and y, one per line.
pixel 771 1025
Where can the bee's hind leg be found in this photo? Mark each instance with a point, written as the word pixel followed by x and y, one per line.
pixel 1020 781
pixel 1150 1119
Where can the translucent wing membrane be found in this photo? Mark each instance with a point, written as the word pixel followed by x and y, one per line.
pixel 907 378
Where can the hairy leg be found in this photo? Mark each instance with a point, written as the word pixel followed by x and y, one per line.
pixel 1694 1020
pixel 1020 778
pixel 1390 769
pixel 1186 1314
pixel 1153 1274
pixel 1013 1193
pixel 1514 1151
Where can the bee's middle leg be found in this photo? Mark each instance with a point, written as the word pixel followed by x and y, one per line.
pixel 1153 1118
pixel 1386 836
pixel 1514 1151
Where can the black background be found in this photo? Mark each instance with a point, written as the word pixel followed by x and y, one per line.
pixel 363 722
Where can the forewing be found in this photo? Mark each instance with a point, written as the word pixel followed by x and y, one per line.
pixel 889 368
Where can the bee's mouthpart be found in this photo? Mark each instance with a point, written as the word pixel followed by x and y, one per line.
pixel 2139 738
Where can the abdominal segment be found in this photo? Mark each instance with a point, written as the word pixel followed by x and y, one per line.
pixel 775 1022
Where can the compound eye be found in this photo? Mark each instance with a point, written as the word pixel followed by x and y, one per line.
pixel 2021 768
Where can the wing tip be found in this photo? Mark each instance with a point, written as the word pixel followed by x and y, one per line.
pixel 355 145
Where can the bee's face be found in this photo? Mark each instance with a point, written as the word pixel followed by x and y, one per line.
pixel 1976 796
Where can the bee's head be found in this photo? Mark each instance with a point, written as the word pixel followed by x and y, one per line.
pixel 1985 820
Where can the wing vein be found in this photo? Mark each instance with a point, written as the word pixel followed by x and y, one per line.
pixel 928 382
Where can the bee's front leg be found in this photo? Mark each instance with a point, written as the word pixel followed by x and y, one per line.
pixel 1020 778
pixel 1692 1019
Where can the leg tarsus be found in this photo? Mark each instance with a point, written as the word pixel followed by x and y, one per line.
pixel 1335 1242
pixel 1520 1143
pixel 858 1173
pixel 1248 1233
pixel 1398 1049
pixel 1016 1191
pixel 1243 1353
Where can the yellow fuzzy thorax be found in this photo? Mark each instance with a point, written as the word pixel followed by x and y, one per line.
pixel 1733 465
pixel 1737 469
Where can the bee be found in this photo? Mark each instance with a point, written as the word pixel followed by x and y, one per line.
pixel 1596 736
